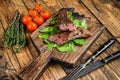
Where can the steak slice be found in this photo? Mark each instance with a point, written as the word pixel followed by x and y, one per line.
pixel 63 37
pixel 64 23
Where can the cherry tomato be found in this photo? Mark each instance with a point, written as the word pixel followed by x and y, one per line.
pixel 26 19
pixel 31 26
pixel 45 14
pixel 32 12
pixel 38 20
pixel 39 7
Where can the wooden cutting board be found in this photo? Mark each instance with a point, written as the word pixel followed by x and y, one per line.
pixel 68 58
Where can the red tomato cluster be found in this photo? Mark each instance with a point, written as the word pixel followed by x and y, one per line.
pixel 36 17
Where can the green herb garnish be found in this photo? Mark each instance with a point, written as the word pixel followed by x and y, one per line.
pixel 80 23
pixel 79 41
pixel 77 23
pixel 84 24
pixel 43 35
pixel 68 47
pixel 71 16
pixel 14 36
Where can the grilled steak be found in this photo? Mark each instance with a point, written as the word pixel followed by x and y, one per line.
pixel 63 37
pixel 64 23
pixel 69 31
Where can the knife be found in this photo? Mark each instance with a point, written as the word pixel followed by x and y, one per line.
pixel 95 65
pixel 90 59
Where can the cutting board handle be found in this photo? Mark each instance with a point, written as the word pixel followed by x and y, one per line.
pixel 36 68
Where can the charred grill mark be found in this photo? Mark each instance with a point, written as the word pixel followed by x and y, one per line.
pixel 81 31
pixel 1 56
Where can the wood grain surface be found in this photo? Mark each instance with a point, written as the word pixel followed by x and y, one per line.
pixel 108 13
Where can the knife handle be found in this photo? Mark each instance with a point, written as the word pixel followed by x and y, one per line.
pixel 103 48
pixel 111 57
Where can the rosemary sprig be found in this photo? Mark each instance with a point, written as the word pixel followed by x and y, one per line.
pixel 14 36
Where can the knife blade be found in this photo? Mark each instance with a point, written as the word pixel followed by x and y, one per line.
pixel 91 58
pixel 96 64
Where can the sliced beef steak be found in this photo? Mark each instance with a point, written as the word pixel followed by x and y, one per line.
pixel 69 31
pixel 63 37
pixel 64 23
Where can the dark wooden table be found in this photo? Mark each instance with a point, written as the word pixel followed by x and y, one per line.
pixel 105 11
